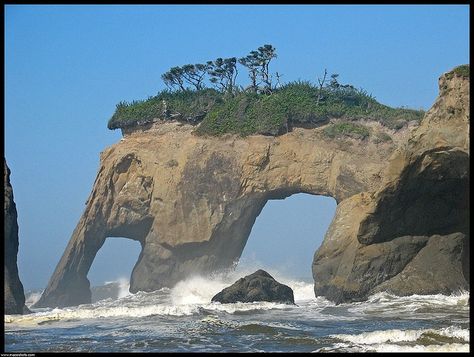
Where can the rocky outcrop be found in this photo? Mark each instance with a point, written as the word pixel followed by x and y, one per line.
pixel 259 286
pixel 191 201
pixel 13 288
pixel 412 235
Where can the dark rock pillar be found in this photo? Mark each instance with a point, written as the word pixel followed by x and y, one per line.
pixel 13 288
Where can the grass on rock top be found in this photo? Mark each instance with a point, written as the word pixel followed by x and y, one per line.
pixel 297 104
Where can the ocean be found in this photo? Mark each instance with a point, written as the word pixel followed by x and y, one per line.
pixel 183 319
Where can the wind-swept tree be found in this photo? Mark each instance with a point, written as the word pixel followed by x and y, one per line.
pixel 174 78
pixel 321 84
pixel 223 73
pixel 333 83
pixel 194 74
pixel 252 62
pixel 258 64
pixel 266 53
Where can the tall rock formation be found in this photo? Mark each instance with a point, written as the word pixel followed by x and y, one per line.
pixel 13 289
pixel 411 236
pixel 191 201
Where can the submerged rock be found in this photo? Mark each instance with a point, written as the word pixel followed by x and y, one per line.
pixel 259 286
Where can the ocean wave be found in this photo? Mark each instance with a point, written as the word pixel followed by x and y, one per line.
pixel 455 299
pixel 389 347
pixel 451 338
pixel 410 306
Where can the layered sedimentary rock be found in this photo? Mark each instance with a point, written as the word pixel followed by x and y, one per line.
pixel 191 201
pixel 14 302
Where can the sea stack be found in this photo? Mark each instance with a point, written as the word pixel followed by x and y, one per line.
pixel 402 219
pixel 13 288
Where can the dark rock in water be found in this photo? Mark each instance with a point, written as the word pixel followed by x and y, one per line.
pixel 259 286
pixel 110 290
pixel 13 288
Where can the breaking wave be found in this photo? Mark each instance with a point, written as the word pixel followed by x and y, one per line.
pixel 190 300
pixel 446 339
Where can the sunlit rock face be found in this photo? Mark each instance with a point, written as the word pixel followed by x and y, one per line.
pixel 191 201
pixel 411 236
pixel 14 296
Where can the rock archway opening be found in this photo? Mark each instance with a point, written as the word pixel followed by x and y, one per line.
pixel 112 267
pixel 287 233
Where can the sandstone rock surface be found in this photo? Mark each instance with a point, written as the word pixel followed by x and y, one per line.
pixel 191 201
pixel 258 286
pixel 411 236
pixel 14 295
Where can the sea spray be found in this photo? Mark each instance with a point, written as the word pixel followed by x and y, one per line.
pixel 183 319
pixel 32 297
pixel 124 287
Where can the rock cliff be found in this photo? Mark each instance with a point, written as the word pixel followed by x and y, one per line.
pixel 191 201
pixel 411 236
pixel 14 302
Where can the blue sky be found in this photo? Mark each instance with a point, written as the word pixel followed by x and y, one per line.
pixel 66 67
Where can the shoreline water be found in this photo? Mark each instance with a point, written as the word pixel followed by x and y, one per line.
pixel 183 319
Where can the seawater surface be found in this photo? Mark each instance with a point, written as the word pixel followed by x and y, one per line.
pixel 183 319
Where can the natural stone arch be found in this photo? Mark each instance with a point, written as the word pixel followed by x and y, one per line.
pixel 286 234
pixel 114 262
pixel 191 201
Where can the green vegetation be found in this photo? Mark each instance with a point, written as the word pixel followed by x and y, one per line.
pixel 382 137
pixel 460 71
pixel 352 130
pixel 261 108
pixel 188 106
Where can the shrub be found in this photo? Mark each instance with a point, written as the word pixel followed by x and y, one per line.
pixel 347 129
pixel 189 106
pixel 460 71
pixel 243 113
pixel 382 137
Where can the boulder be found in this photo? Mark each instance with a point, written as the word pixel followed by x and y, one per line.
pixel 259 286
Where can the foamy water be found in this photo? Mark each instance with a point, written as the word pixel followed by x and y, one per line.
pixel 184 319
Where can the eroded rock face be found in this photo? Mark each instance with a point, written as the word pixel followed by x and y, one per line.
pixel 412 235
pixel 258 286
pixel 191 201
pixel 14 302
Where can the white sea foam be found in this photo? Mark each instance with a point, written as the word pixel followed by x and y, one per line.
pixel 404 340
pixel 188 297
pixel 369 338
pixel 391 305
pixel 390 347
pixel 193 297
pixel 196 290
pixel 32 298
pixel 124 287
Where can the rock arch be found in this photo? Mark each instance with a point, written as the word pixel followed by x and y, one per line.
pixel 191 201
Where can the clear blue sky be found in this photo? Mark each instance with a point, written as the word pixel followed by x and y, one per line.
pixel 66 67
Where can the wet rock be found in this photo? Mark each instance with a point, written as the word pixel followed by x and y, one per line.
pixel 259 286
